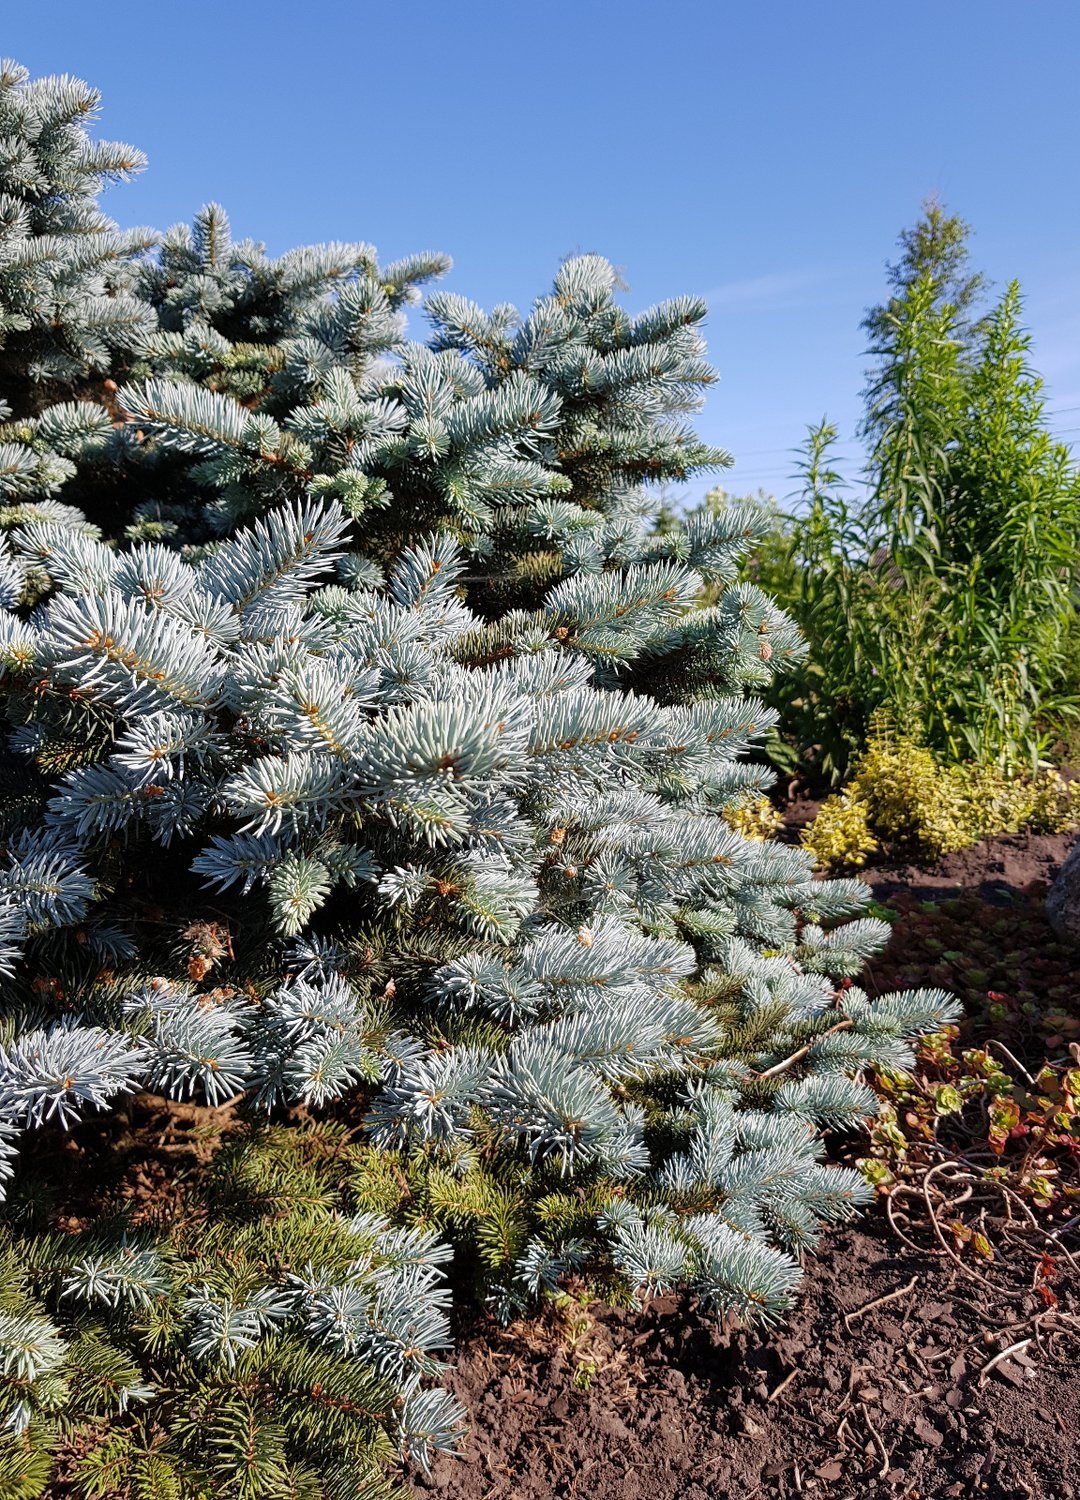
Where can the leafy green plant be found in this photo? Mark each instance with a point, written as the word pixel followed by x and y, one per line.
pixel 946 594
pixel 976 1150
pixel 1019 1128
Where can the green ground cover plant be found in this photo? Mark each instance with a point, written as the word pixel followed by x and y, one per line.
pixel 992 1105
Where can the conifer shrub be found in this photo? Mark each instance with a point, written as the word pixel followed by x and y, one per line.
pixel 369 760
pixel 269 1335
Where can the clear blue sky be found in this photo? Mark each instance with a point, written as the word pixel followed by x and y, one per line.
pixel 764 153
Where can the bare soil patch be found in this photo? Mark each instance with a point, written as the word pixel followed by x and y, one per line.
pixel 890 1403
pixel 996 869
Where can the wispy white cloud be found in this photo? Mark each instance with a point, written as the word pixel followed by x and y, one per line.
pixel 777 289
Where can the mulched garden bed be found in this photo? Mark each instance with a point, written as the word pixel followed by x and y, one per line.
pixel 964 1381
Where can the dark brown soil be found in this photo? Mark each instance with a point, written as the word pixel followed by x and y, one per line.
pixel 993 869
pixel 897 1401
pixel 681 1409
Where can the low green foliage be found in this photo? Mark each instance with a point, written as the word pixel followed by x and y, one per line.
pixel 901 795
pixel 992 1105
pixel 1021 1129
pixel 1016 980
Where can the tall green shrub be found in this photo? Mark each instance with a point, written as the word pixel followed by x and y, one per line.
pixel 946 594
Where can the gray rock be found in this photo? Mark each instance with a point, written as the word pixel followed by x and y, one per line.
pixel 1063 898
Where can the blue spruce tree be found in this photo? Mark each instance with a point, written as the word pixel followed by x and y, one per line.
pixel 368 773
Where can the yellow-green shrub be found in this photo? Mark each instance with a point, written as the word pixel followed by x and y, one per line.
pixel 840 835
pixel 913 801
pixel 756 819
pixel 1054 803
pixel 901 794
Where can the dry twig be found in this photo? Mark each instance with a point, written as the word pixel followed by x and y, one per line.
pixel 1001 1047
pixel 797 1057
pixel 1012 1349
pixel 939 1232
pixel 902 1291
pixel 879 1442
pixel 788 1378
